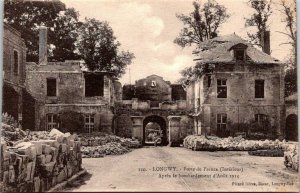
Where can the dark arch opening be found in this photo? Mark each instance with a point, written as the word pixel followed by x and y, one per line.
pixel 155 124
pixel 291 127
pixel 10 101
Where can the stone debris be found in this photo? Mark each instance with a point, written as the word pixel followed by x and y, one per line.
pixel 291 156
pixel 111 148
pixel 212 143
pixel 101 144
pixel 10 133
pixel 36 166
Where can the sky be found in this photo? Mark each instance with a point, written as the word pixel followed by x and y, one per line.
pixel 148 27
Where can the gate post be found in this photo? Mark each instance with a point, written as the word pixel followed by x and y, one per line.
pixel 137 127
pixel 174 130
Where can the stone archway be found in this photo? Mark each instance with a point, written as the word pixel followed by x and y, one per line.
pixel 291 127
pixel 160 121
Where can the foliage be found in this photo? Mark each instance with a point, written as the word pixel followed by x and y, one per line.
pixel 290 81
pixel 258 19
pixel 64 35
pixel 194 72
pixel 27 16
pixel 124 126
pixel 9 120
pixel 253 129
pixel 99 48
pixel 202 24
pixel 71 121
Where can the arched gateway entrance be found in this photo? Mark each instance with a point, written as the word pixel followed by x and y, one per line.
pixel 154 125
pixel 292 127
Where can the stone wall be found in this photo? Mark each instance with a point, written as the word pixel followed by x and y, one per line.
pixel 240 105
pixel 153 88
pixel 13 75
pixel 70 93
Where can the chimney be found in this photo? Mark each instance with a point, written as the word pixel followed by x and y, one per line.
pixel 265 42
pixel 43 46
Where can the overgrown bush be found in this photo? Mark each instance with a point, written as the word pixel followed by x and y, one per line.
pixel 253 130
pixel 124 126
pixel 71 121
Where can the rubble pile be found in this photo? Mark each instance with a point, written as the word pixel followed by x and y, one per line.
pixel 101 144
pixel 97 139
pixel 10 133
pixel 291 157
pixel 36 166
pixel 111 148
pixel 212 143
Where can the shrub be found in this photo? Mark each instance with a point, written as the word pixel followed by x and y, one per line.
pixel 253 130
pixel 71 121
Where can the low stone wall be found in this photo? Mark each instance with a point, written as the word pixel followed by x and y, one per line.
pixel 37 166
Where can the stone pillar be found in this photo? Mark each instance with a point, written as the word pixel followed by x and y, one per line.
pixel 43 46
pixel 174 130
pixel 137 127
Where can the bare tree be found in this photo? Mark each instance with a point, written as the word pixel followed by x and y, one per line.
pixel 201 24
pixel 288 9
pixel 258 19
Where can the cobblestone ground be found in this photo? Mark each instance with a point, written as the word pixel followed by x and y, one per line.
pixel 179 169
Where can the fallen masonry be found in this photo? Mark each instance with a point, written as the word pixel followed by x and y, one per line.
pixel 291 156
pixel 212 143
pixel 100 144
pixel 38 165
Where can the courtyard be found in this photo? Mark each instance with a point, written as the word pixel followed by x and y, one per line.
pixel 180 169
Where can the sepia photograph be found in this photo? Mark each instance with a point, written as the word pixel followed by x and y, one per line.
pixel 149 96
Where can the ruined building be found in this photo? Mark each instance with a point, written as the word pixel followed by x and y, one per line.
pixel 59 88
pixel 241 84
pixel 153 105
pixel 14 58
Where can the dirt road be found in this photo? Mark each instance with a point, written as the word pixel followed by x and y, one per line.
pixel 179 169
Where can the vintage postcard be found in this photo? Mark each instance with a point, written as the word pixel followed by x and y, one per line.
pixel 149 96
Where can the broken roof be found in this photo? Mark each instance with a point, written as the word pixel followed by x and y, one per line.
pixel 217 50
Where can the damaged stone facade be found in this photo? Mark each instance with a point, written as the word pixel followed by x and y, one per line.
pixel 70 95
pixel 14 58
pixel 60 87
pixel 245 85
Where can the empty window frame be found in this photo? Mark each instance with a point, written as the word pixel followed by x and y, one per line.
pixel 51 87
pixel 239 55
pixel 89 122
pixel 259 88
pixel 16 62
pixel 221 122
pixel 261 118
pixel 94 85
pixel 221 88
pixel 51 121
